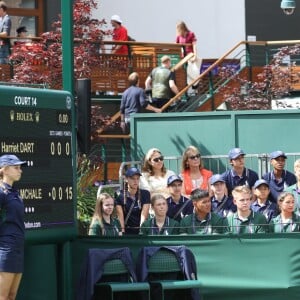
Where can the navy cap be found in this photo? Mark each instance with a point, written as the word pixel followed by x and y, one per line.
pixel 173 178
pixel 133 171
pixel 216 178
pixel 277 154
pixel 235 153
pixel 260 182
pixel 10 160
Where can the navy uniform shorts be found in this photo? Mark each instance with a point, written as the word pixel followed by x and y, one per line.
pixel 11 259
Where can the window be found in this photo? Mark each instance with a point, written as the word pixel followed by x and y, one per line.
pixel 27 13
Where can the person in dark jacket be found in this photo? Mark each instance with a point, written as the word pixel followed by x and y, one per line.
pixel 132 203
pixel 221 204
pixel 263 204
pixel 279 178
pixel 179 206
pixel 12 229
pixel 238 175
pixel 133 100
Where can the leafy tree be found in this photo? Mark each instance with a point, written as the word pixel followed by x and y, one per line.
pixel 274 82
pixel 41 62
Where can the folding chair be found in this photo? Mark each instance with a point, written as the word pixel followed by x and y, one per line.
pixel 168 277
pixel 109 274
pixel 117 284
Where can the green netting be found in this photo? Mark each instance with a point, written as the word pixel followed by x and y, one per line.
pixel 114 266
pixel 163 261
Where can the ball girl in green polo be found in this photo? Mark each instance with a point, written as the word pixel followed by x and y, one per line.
pixel 287 220
pixel 103 223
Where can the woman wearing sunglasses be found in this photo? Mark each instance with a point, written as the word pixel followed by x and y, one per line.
pixel 193 173
pixel 155 174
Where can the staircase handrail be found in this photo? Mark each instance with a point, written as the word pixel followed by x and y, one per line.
pixel 210 68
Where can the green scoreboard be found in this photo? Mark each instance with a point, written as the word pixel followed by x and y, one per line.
pixel 38 125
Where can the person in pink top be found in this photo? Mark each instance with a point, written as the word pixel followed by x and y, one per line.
pixel 185 36
pixel 119 34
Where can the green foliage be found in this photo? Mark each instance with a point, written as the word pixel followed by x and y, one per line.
pixel 89 172
pixel 274 82
pixel 40 62
pixel 109 190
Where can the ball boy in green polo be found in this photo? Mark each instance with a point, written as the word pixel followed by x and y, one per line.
pixel 202 221
pixel 245 220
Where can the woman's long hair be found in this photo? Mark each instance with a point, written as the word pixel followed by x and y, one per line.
pixel 181 28
pixel 281 198
pixel 98 213
pixel 185 157
pixel 147 167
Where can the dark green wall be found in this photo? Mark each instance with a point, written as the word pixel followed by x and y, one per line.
pixel 247 267
pixel 40 277
pixel 244 268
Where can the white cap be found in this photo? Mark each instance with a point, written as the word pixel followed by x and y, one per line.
pixel 116 18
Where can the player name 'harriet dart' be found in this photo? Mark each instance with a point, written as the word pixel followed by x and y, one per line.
pixel 20 147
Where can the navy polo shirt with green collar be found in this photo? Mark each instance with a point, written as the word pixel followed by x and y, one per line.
pixel 224 207
pixel 295 190
pixel 232 180
pixel 278 186
pixel 255 223
pixel 269 210
pixel 142 197
pixel 150 227
pixel 292 225
pixel 179 210
pixel 212 224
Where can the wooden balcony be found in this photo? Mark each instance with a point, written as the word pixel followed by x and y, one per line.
pixel 109 73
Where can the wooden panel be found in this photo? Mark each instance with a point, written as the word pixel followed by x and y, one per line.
pixel 113 171
pixel 295 86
